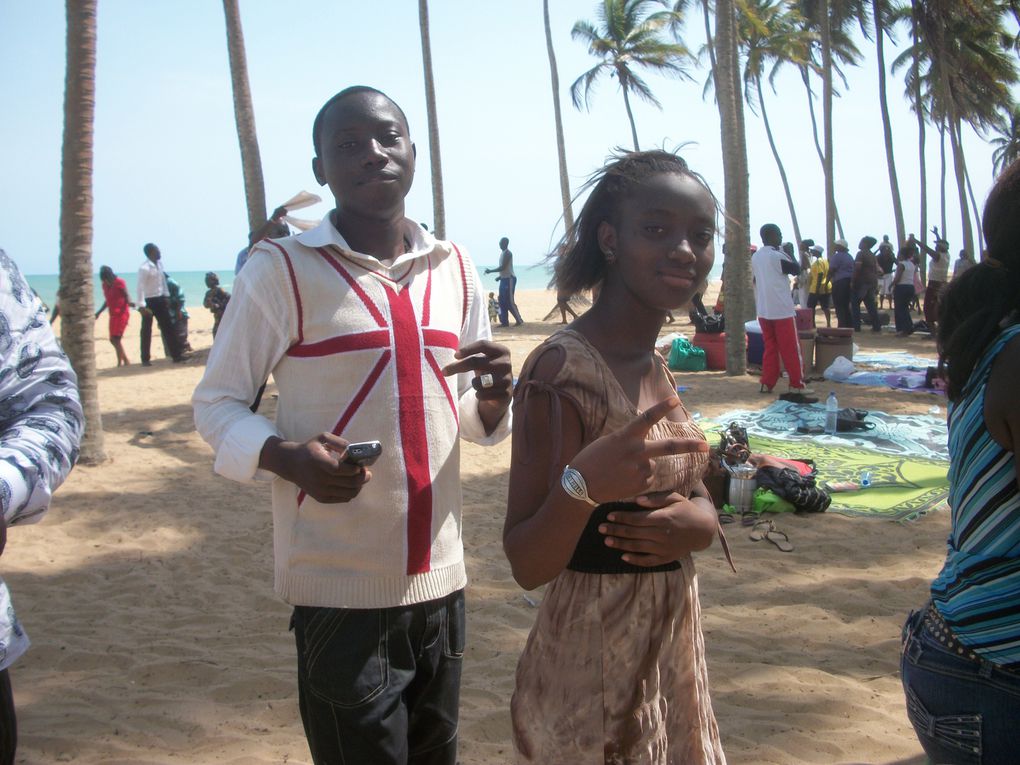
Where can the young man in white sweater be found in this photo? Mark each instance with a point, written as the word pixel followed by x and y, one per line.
pixel 372 330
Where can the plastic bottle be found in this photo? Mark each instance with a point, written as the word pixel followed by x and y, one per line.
pixel 831 413
pixel 865 479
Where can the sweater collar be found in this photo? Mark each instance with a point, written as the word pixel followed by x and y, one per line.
pixel 422 244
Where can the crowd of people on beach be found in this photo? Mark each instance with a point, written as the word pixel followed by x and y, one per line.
pixel 378 338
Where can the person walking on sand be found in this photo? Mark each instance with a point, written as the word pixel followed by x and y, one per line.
pixel 904 280
pixel 938 277
pixel 886 258
pixel 154 303
pixel 42 423
pixel 841 271
pixel 606 502
pixel 772 269
pixel 118 303
pixel 864 284
pixel 821 290
pixel 373 331
pixel 960 662
pixel 507 284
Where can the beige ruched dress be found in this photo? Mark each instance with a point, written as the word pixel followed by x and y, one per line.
pixel 614 669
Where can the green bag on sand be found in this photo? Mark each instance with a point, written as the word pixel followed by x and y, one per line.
pixel 767 501
pixel 684 357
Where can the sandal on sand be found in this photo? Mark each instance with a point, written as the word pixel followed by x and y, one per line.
pixel 779 539
pixel 761 530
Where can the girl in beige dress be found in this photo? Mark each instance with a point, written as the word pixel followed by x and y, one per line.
pixel 606 501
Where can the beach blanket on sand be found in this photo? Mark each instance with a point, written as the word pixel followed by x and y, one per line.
pixel 900 371
pixel 907 456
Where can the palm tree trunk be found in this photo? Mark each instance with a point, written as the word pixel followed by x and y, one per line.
pixel 779 164
pixel 980 242
pixel 894 184
pixel 77 308
pixel 961 184
pixel 814 132
pixel 561 150
pixel 438 207
pixel 244 116
pixel 919 108
pixel 630 115
pixel 942 156
pixel 830 202
pixel 708 34
pixel 736 267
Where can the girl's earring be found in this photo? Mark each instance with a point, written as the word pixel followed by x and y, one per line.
pixel 610 257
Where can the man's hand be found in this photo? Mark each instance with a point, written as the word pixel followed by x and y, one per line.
pixel 144 311
pixel 279 213
pixel 493 378
pixel 316 466
pixel 673 527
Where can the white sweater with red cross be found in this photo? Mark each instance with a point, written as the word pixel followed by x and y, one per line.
pixel 355 347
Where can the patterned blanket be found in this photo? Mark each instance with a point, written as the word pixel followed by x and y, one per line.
pixel 907 456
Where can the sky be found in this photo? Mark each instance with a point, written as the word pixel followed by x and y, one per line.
pixel 167 165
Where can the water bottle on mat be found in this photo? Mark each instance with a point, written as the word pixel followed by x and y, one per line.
pixel 831 413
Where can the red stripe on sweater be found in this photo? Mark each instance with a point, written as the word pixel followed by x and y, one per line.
pixel 464 286
pixel 358 290
pixel 356 402
pixel 414 442
pixel 379 338
pixel 293 284
pixel 434 365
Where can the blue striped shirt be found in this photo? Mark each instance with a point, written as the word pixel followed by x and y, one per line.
pixel 978 589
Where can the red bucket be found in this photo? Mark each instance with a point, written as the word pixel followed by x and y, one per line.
pixel 714 345
pixel 803 318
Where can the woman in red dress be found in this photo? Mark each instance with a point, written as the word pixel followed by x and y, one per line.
pixel 120 305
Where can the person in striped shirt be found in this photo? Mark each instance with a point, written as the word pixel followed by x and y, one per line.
pixel 961 652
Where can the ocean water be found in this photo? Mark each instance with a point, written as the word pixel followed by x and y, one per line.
pixel 529 277
pixel 193 283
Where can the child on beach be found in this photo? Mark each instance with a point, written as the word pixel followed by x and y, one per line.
pixel 493 308
pixel 216 299
pixel 606 500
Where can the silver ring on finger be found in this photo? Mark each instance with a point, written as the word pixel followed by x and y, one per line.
pixel 486 380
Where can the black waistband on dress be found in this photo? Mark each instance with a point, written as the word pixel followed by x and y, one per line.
pixel 591 556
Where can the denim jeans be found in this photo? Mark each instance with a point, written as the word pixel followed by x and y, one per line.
pixel 963 710
pixel 381 686
pixel 8 721
pixel 507 301
pixel 903 295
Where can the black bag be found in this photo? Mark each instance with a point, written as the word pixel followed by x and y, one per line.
pixel 850 420
pixel 708 324
pixel 799 490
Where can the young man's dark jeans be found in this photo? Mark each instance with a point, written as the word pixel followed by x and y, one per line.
pixel 841 302
pixel 8 721
pixel 963 710
pixel 507 301
pixel 866 294
pixel 381 686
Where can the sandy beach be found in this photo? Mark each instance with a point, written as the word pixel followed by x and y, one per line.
pixel 157 638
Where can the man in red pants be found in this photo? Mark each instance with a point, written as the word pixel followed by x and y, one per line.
pixel 772 269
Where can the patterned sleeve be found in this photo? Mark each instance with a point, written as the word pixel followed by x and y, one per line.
pixel 41 418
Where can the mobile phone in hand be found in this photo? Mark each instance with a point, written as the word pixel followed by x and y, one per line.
pixel 363 453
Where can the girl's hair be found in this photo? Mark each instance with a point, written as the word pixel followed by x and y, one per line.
pixel 106 271
pixel 580 263
pixel 985 299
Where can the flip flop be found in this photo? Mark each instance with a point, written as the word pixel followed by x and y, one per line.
pixel 761 531
pixel 779 539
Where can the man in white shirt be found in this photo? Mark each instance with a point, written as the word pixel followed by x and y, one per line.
pixel 772 269
pixel 154 302
pixel 372 330
pixel 41 421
